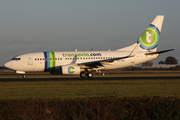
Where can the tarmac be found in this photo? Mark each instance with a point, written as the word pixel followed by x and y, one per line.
pixel 94 78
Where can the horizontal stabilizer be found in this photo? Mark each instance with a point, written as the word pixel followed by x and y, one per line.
pixel 159 52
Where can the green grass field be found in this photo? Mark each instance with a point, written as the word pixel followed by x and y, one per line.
pixel 92 88
pixel 92 98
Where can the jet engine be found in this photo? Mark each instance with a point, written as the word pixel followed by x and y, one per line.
pixel 66 69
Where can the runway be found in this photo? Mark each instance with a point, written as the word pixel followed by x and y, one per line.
pixel 87 79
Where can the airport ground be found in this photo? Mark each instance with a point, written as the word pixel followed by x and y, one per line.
pixel 117 95
pixel 121 84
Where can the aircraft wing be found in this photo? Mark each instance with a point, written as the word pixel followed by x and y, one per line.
pixel 101 63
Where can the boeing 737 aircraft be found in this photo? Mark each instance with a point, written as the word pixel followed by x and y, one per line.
pixel 84 62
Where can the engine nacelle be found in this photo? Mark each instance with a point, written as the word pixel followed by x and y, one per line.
pixel 66 69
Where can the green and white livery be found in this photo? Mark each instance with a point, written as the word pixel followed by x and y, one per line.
pixel 84 62
pixel 150 38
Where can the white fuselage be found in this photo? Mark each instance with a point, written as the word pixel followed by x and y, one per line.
pixel 46 61
pixel 83 62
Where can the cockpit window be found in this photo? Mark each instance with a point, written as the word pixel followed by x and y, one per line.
pixel 16 59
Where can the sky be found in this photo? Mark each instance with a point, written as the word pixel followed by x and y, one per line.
pixel 65 25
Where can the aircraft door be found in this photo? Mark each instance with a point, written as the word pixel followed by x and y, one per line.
pixel 29 60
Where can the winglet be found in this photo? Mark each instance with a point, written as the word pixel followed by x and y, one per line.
pixel 133 53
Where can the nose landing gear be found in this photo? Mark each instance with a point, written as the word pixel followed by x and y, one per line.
pixel 24 76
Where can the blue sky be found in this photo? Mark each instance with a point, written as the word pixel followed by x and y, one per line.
pixel 65 25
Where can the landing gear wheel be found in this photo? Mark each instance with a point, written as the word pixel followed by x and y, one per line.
pixel 24 76
pixel 82 74
pixel 89 75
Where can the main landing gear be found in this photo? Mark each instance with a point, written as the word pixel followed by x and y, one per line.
pixel 84 74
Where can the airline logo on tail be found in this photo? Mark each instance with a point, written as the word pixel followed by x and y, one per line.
pixel 149 39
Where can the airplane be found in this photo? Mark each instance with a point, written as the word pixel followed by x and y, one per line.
pixel 84 62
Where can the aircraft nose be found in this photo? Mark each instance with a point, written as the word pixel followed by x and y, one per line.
pixel 8 64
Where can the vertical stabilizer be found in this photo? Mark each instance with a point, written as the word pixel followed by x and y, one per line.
pixel 150 38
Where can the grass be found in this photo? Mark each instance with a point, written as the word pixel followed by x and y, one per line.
pixel 89 88
pixel 92 98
